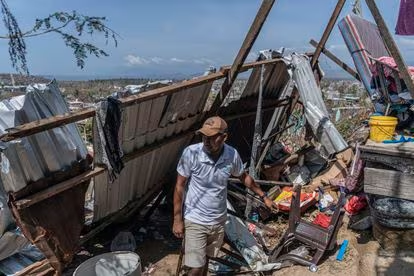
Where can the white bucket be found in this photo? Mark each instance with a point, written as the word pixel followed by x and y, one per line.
pixel 120 263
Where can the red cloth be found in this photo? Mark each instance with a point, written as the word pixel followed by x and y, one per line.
pixel 356 204
pixel 322 220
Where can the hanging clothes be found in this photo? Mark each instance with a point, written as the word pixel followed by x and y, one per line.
pixel 405 22
pixel 107 123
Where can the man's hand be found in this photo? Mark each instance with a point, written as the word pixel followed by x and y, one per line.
pixel 178 228
pixel 269 203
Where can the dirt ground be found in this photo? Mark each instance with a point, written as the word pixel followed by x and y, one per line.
pixel 158 250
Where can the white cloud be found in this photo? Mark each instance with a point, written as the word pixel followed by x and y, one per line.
pixel 136 60
pixel 157 60
pixel 174 59
pixel 203 61
pixel 133 60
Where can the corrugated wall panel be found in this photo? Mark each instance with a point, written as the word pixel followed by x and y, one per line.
pixel 143 125
pixel 139 176
pixel 275 78
pixel 185 103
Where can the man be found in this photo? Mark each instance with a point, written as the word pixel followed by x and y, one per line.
pixel 203 172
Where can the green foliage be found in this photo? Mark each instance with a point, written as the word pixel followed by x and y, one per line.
pixel 69 26
pixel 17 45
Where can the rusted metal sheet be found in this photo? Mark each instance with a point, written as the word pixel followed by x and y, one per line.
pixel 155 119
pixel 138 177
pixel 188 102
pixel 275 78
pixel 54 227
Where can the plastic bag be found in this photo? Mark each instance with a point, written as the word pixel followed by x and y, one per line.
pixel 124 241
pixel 356 204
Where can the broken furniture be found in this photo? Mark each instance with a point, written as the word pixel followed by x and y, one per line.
pixel 316 238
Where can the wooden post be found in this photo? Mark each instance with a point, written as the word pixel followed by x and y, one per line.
pixel 243 52
pixel 391 45
pixel 327 32
pixel 335 59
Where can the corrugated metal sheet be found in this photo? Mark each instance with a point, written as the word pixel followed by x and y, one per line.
pixel 140 175
pixel 143 125
pixel 275 77
pixel 315 110
pixel 34 157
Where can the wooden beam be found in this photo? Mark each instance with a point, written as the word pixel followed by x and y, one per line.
pixel 388 183
pixel 56 189
pixel 243 52
pixel 327 32
pixel 391 45
pixel 335 59
pixel 403 150
pixel 253 64
pixel 46 124
pixel 171 89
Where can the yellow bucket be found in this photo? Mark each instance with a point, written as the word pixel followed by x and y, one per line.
pixel 382 128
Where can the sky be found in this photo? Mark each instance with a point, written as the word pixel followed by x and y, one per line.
pixel 161 38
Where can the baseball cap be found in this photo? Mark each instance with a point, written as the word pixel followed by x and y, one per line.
pixel 213 126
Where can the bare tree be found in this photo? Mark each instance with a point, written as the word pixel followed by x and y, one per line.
pixel 70 26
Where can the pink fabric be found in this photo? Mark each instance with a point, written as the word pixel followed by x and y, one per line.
pixel 390 62
pixel 405 22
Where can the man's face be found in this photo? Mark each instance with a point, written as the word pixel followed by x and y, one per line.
pixel 214 144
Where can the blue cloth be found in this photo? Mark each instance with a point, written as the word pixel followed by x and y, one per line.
pixel 401 140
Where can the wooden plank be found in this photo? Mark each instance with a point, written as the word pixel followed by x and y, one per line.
pixel 398 163
pixel 53 190
pixel 391 45
pixel 400 150
pixel 46 124
pixel 242 54
pixel 327 32
pixel 388 183
pixel 335 59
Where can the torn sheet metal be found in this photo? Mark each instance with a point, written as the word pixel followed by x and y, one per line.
pixel 247 245
pixel 55 233
pixel 32 158
pixel 315 110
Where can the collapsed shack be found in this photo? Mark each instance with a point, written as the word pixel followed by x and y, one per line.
pixel 138 138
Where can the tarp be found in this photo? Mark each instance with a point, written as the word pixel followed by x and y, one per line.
pixel 363 39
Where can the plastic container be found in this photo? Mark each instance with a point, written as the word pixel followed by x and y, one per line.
pixel 382 128
pixel 120 263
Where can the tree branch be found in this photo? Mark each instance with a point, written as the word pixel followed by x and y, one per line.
pixel 61 23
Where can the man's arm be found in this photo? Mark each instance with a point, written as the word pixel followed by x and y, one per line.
pixel 178 226
pixel 248 181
